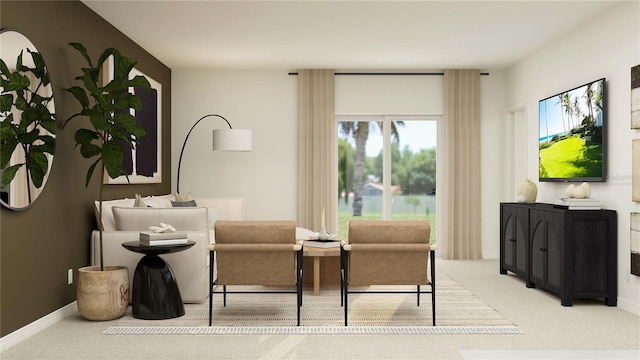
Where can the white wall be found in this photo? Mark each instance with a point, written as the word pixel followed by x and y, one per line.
pixel 492 148
pixel 262 101
pixel 265 101
pixel 388 94
pixel 607 46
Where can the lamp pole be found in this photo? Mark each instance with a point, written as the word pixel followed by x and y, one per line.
pixel 187 138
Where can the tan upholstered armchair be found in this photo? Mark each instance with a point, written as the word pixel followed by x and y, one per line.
pixel 255 253
pixel 388 253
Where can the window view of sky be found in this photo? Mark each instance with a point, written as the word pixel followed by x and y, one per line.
pixel 417 134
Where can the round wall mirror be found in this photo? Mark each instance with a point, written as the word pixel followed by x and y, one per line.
pixel 27 121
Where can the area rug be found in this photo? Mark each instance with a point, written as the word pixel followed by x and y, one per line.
pixel 458 311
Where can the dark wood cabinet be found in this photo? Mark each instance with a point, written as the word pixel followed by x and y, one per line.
pixel 572 253
pixel 514 239
pixel 546 229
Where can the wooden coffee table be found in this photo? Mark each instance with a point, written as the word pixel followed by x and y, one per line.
pixel 317 253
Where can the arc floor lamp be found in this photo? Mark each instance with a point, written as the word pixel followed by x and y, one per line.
pixel 223 140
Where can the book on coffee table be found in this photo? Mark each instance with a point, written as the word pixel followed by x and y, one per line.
pixel 162 242
pixel 150 235
pixel 322 243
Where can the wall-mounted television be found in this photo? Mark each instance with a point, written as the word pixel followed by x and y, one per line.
pixel 572 137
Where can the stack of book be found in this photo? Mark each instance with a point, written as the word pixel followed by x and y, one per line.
pixel 150 238
pixel 322 243
pixel 579 204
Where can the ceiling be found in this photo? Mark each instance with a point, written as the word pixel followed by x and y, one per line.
pixel 344 35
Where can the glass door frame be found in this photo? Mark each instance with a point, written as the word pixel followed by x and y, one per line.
pixel 386 119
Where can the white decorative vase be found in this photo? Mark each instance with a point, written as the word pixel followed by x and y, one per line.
pixel 103 295
pixel 587 189
pixel 323 234
pixel 569 190
pixel 527 192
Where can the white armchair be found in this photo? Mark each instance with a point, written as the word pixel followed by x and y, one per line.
pixel 122 222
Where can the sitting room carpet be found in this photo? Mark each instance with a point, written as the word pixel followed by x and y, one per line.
pixel 458 311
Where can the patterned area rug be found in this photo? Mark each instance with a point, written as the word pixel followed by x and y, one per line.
pixel 458 311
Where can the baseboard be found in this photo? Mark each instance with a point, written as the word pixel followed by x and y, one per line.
pixel 490 256
pixel 33 328
pixel 629 306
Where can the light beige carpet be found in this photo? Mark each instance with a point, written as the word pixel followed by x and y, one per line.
pixel 457 311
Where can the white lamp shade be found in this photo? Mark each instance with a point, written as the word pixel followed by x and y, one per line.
pixel 232 140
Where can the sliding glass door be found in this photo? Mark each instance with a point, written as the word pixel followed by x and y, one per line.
pixel 387 169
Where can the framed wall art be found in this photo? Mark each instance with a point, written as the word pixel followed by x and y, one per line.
pixel 635 243
pixel 635 97
pixel 635 170
pixel 143 163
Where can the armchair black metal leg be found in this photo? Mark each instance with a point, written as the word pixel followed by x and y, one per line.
pixel 211 268
pixel 433 304
pixel 224 295
pixel 299 282
pixel 342 254
pixel 433 286
pixel 346 290
pixel 341 287
pixel 418 294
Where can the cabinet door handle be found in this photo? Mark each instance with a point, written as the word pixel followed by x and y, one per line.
pixel 512 240
pixel 543 249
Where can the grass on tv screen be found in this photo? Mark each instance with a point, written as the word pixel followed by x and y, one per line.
pixel 571 141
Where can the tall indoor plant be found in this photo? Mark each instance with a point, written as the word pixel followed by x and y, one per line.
pixel 107 106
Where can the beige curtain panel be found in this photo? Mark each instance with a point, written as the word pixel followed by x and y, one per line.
pixel 317 177
pixel 460 237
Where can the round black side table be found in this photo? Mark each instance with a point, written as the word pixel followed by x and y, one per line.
pixel 155 290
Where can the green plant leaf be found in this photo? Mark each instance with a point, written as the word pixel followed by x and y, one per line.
pixel 39 70
pixel 139 81
pixel 29 137
pixel 49 123
pixel 7 128
pixel 125 121
pixel 112 157
pixel 89 150
pixel 48 144
pixel 122 68
pixel 82 50
pixel 17 82
pixel 6 102
pixel 89 79
pixel 85 136
pixel 104 103
pixel 38 166
pixel 4 69
pixel 29 116
pixel 79 94
pixel 9 173
pixel 99 120
pixel 105 55
pixel 20 103
pixel 134 102
pixel 7 145
pixel 90 172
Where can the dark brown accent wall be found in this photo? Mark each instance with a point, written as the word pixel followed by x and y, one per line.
pixel 39 244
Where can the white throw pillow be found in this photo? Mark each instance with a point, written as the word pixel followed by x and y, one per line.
pixel 107 218
pixel 214 215
pixel 305 234
pixel 139 219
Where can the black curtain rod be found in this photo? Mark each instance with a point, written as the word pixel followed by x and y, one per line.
pixel 402 73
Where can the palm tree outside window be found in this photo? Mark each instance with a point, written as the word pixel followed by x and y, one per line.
pixel 387 168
